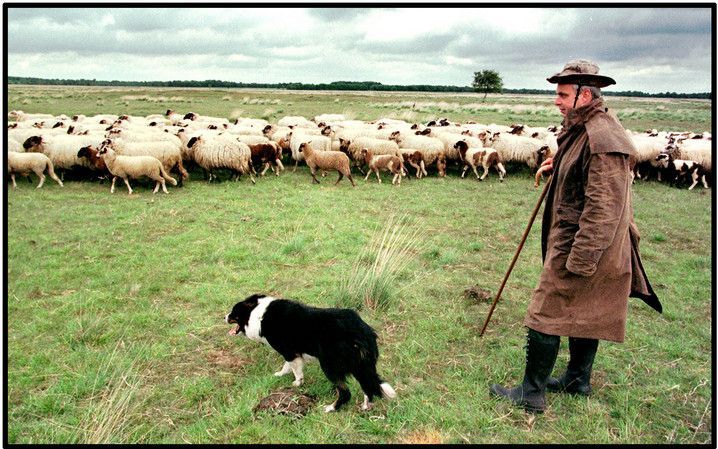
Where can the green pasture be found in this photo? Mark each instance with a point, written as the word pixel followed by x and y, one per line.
pixel 115 303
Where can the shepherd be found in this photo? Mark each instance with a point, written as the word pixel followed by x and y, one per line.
pixel 589 244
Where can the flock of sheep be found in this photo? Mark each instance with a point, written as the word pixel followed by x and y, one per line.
pixel 156 146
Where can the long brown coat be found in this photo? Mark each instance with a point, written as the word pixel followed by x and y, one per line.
pixel 589 241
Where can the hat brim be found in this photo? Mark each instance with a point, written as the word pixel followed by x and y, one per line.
pixel 584 79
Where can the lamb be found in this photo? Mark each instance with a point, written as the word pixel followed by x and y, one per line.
pixel 24 163
pixel 93 156
pixel 221 152
pixel 383 161
pixel 326 160
pixel 487 157
pixel 135 167
pixel 415 159
pixel 268 153
pixel 167 152
pixel 676 169
pixel 353 148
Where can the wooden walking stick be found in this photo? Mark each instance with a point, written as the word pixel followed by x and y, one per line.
pixel 518 251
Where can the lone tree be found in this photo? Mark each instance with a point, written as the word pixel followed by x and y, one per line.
pixel 487 81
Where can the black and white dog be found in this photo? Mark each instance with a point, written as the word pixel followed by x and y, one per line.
pixel 339 338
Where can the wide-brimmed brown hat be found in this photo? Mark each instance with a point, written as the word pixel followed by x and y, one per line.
pixel 583 72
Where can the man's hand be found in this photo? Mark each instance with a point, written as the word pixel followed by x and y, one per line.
pixel 546 166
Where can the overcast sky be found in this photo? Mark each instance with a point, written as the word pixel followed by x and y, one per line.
pixel 647 49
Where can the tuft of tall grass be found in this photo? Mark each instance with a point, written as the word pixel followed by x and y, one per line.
pixel 109 415
pixel 372 282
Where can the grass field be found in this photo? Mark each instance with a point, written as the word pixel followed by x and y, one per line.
pixel 115 303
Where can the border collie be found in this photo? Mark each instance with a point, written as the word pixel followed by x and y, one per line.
pixel 339 338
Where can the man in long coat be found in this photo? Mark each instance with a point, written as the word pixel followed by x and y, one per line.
pixel 589 243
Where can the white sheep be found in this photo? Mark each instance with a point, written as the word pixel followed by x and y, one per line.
pixel 375 163
pixel 326 160
pixel 296 121
pixel 219 153
pixel 62 149
pixel 135 167
pixel 24 163
pixel 167 152
pixel 518 149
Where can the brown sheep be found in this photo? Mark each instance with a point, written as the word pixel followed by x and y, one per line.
pixel 326 160
pixel 382 161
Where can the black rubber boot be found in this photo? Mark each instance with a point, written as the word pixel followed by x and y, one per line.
pixel 541 352
pixel 577 378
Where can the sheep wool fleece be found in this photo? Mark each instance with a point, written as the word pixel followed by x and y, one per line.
pixel 588 238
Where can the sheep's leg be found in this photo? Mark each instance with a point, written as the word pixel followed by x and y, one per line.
pixel 157 187
pixel 705 184
pixel 279 163
pixel 266 167
pixel 42 180
pixel 112 187
pixel 341 175
pixel 466 167
pixel 477 173
pixel 367 176
pixel 12 176
pixel 423 168
pixel 314 175
pixel 349 175
pixel 377 175
pixel 694 176
pixel 127 181
pixel 393 181
pixel 501 170
pixel 164 186
pixel 486 172
pixel 296 163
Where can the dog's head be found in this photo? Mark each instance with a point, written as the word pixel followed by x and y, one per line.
pixel 240 313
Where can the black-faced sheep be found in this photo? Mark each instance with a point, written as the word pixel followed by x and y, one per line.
pixel 221 152
pixel 24 163
pixel 326 160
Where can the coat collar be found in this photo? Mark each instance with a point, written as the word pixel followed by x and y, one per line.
pixel 581 114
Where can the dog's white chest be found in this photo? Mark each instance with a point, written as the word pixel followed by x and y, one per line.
pixel 254 326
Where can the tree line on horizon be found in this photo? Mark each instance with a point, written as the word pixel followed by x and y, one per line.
pixel 335 85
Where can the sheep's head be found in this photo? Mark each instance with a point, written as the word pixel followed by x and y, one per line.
pixel 395 136
pixel 327 131
pixel 441 165
pixel 266 130
pixel 88 152
pixel 169 111
pixel 105 143
pixel 344 145
pixel 302 147
pixel 58 125
pixel 31 143
pixel 193 141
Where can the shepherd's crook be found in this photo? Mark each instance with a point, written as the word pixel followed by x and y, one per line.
pixel 518 251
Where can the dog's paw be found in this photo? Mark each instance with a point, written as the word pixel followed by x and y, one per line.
pixel 329 408
pixel 366 405
pixel 280 373
pixel 297 382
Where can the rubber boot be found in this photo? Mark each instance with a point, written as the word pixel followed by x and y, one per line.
pixel 577 378
pixel 541 352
